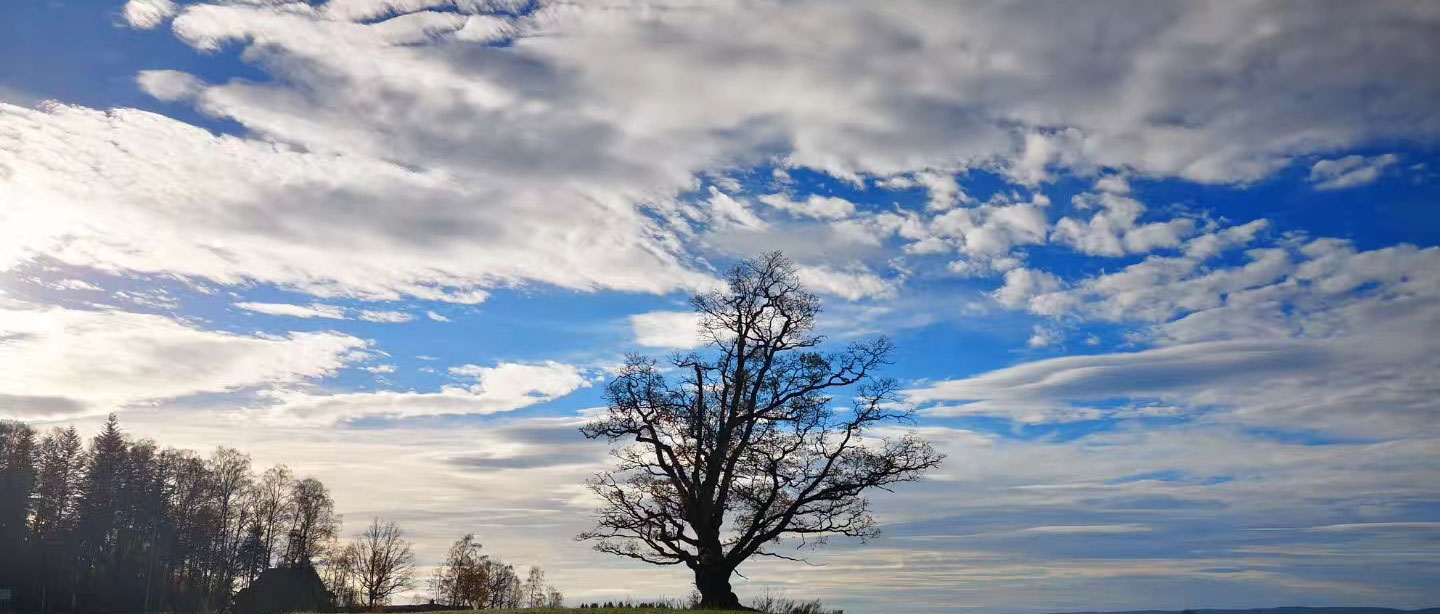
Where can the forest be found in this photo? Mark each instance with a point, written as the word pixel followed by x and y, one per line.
pixel 117 524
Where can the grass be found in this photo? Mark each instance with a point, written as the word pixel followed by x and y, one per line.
pixel 586 611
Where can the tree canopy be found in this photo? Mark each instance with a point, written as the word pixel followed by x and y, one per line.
pixel 732 448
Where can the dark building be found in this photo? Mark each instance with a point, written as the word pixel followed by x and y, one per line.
pixel 285 589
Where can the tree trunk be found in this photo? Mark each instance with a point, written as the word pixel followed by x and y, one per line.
pixel 714 585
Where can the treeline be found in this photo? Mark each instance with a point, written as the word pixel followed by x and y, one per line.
pixel 120 525
pixel 123 525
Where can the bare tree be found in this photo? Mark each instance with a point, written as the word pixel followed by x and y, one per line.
pixel 232 481
pixel 464 578
pixel 505 587
pixel 341 574
pixel 270 509
pixel 384 563
pixel 313 523
pixel 744 447
pixel 535 587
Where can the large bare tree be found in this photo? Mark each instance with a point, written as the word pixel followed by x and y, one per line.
pixel 384 563
pixel 739 445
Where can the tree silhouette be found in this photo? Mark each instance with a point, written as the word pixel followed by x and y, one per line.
pixel 312 522
pixel 384 563
pixel 126 526
pixel 464 577
pixel 745 448
pixel 17 480
pixel 270 500
pixel 230 470
pixel 535 587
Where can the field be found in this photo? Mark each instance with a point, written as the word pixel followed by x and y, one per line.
pixel 586 611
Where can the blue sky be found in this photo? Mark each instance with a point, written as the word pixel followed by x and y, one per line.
pixel 1164 279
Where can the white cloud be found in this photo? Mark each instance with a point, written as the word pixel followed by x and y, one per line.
pixel 332 312
pixel 1021 284
pixel 1114 184
pixel 944 190
pixel 1313 336
pixel 561 136
pixel 146 14
pixel 516 382
pixel 1350 171
pixel 991 230
pixel 1082 529
pixel 134 192
pixel 1044 336
pixel 851 284
pixel 436 316
pixel 1281 291
pixel 502 388
pixel 1113 231
pixel 1351 367
pixel 667 329
pixel 169 85
pixel 313 310
pixel 76 284
pixel 390 154
pixel 62 361
pixel 726 210
pixel 369 315
pixel 1376 526
pixel 983 267
pixel 1207 245
pixel 1157 371
pixel 815 206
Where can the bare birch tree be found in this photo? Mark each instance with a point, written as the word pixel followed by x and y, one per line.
pixel 384 563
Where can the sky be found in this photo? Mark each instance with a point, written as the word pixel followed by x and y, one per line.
pixel 1163 277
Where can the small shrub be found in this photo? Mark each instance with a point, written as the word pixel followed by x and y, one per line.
pixel 780 604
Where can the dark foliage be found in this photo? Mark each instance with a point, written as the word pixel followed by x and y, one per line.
pixel 121 525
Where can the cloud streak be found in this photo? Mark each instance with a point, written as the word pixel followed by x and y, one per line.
pixel 56 361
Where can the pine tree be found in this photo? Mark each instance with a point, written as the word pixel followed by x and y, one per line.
pixel 97 513
pixel 17 483
pixel 60 464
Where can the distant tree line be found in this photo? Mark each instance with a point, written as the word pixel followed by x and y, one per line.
pixel 120 525
pixel 123 525
pixel 471 580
